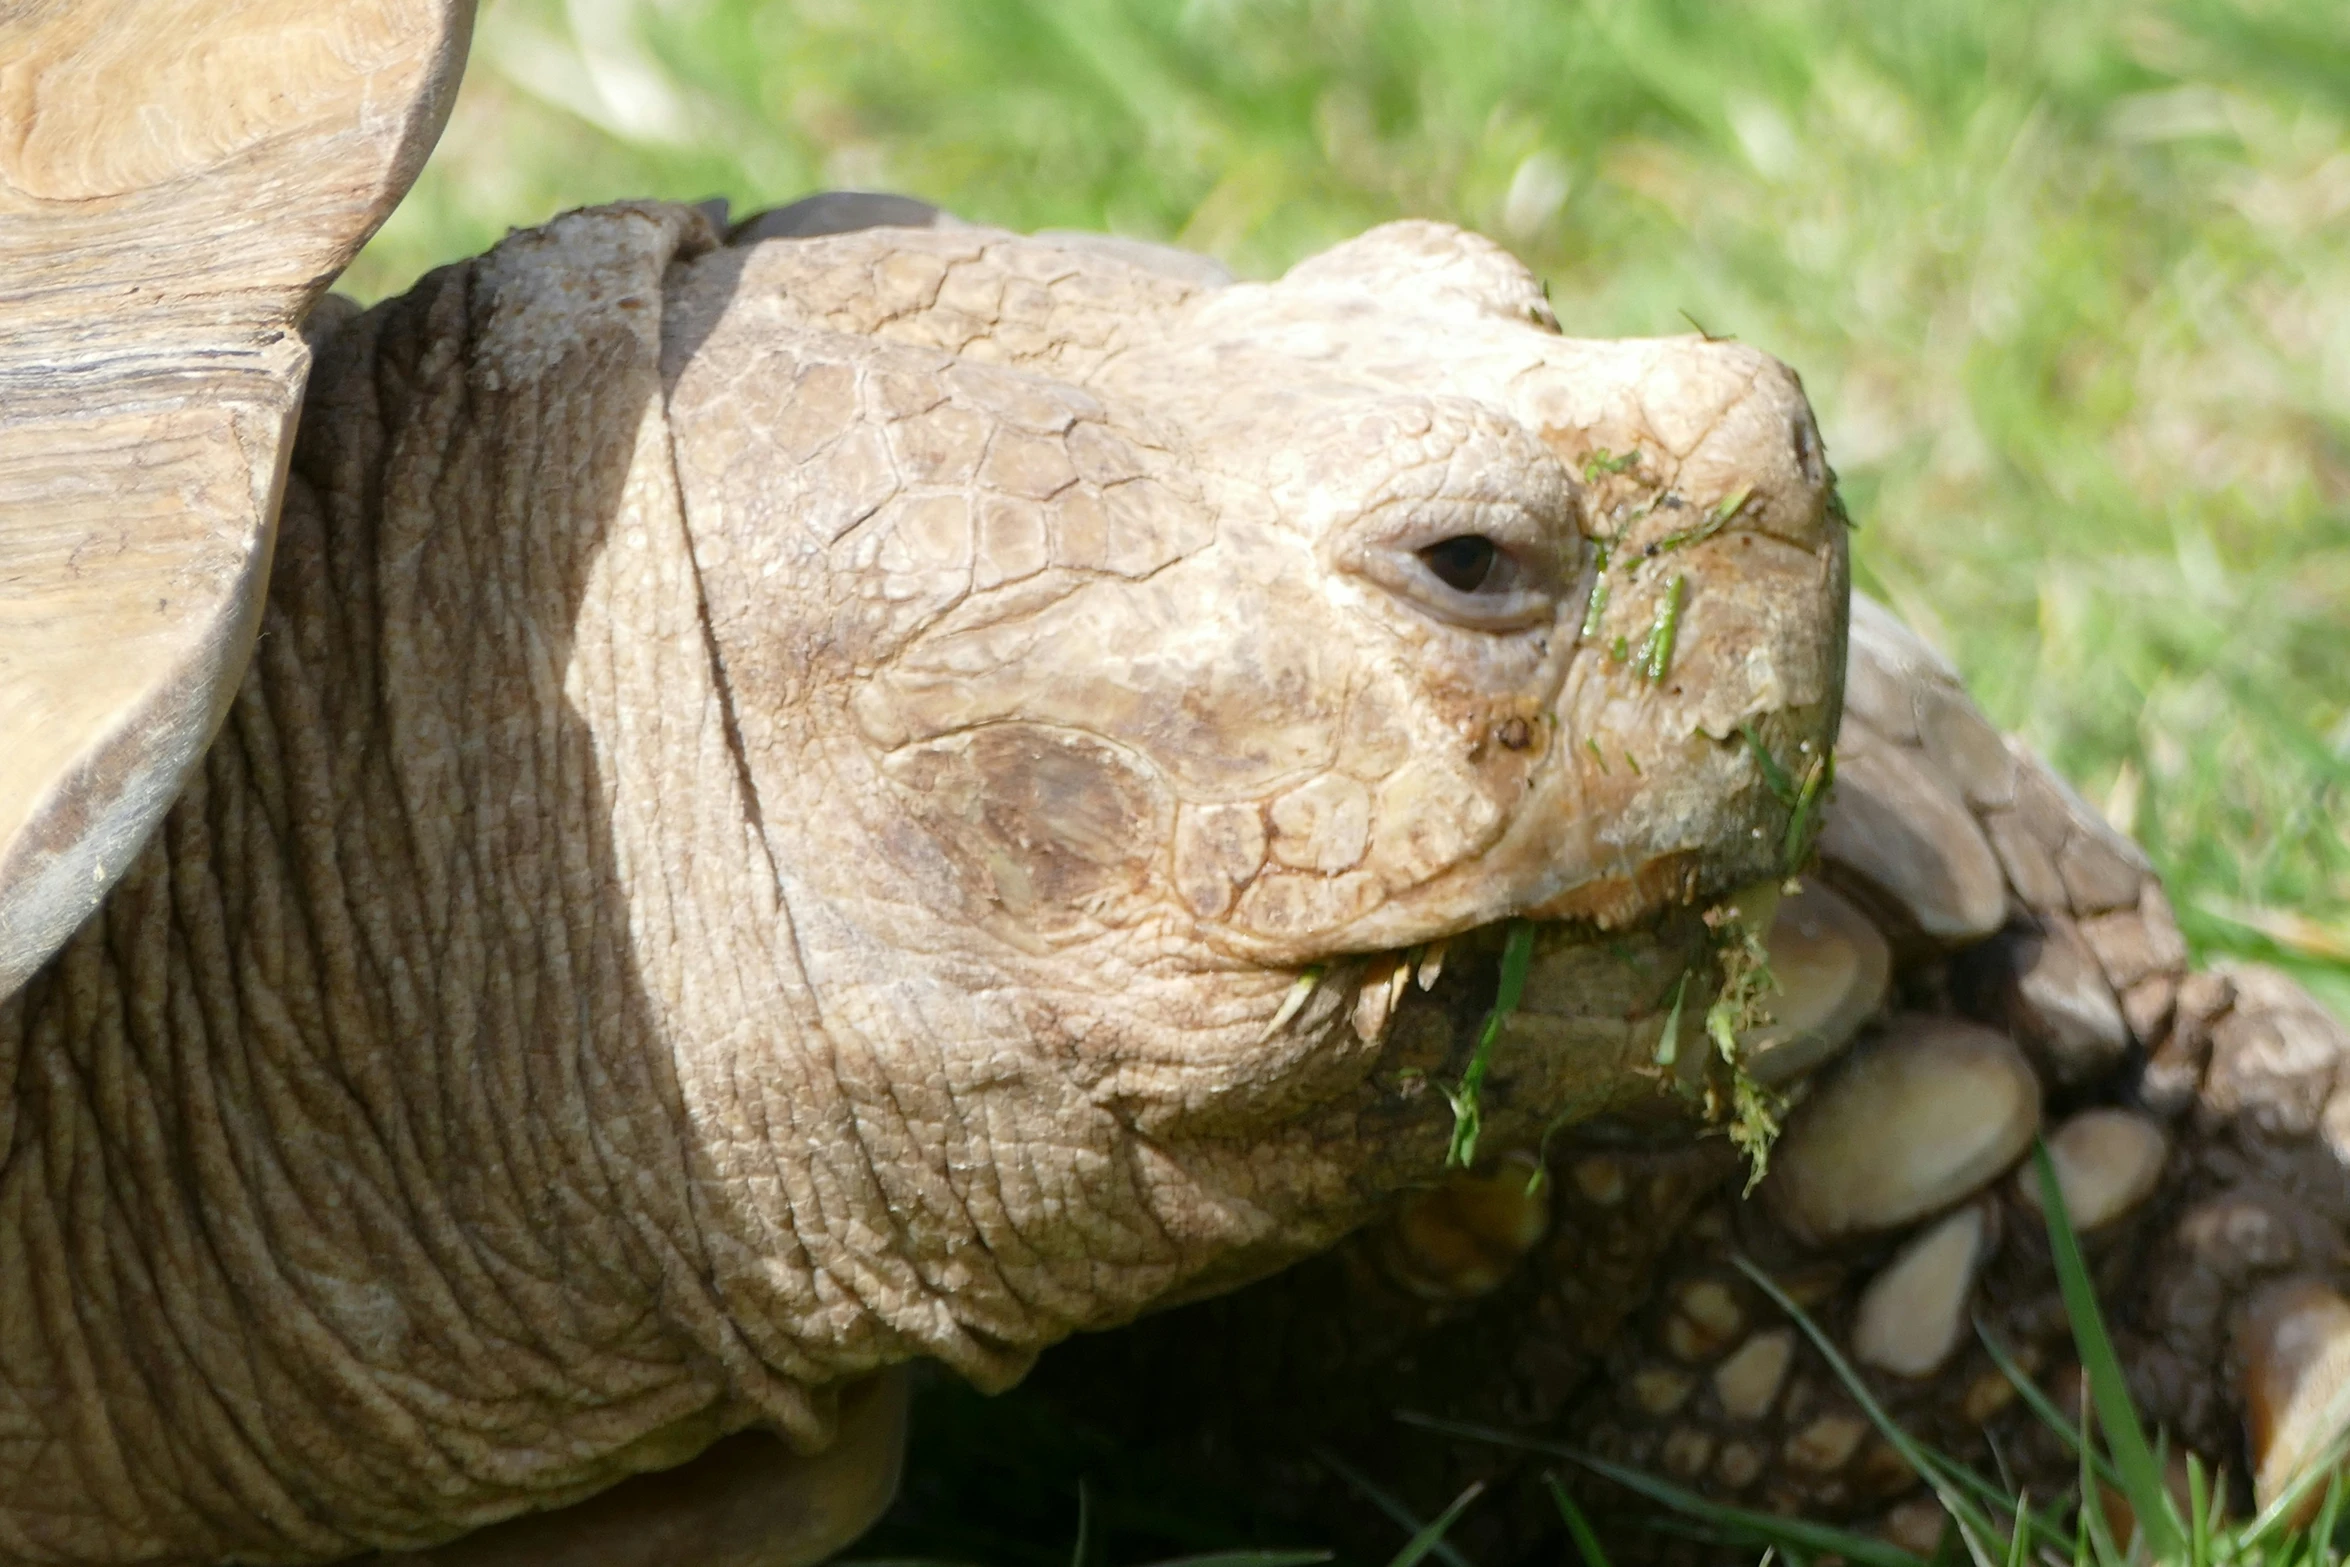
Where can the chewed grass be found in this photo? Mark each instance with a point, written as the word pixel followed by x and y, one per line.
pixel 1748 1111
pixel 2069 285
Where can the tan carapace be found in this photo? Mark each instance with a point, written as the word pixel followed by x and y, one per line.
pixel 179 181
pixel 797 804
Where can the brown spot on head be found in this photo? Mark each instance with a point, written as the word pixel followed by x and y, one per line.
pixel 1048 827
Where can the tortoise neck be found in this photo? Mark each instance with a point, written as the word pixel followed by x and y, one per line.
pixel 356 1161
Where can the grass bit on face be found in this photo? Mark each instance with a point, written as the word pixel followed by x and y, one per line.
pixel 1656 654
pixel 1748 1112
pixel 1602 462
pixel 1301 990
pixel 1517 956
pixel 1597 607
pixel 1714 522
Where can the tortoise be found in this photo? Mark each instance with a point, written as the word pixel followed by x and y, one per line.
pixel 796 805
pixel 810 795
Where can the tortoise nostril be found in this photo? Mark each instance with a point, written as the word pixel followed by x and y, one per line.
pixel 1462 563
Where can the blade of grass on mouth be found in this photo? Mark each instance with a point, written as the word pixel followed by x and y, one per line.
pixel 1774 776
pixel 1468 1118
pixel 1795 847
pixel 1758 1528
pixel 2125 1439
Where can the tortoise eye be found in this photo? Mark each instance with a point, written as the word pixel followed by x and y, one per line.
pixel 1463 562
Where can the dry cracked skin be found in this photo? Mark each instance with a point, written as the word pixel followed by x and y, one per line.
pixel 815 802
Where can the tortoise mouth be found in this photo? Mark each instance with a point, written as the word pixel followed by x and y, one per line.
pixel 1546 1022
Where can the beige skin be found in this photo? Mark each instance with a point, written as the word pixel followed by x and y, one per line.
pixel 775 822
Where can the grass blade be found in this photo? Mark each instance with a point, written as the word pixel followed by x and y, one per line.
pixel 1578 1527
pixel 1795 848
pixel 1378 1496
pixel 1517 956
pixel 2094 1528
pixel 2125 1439
pixel 1668 1043
pixel 1950 1481
pixel 2329 1513
pixel 1774 776
pixel 1432 1535
pixel 2199 1501
pixel 2287 1504
pixel 2277 1517
pixel 2040 1403
pixel 1750 1527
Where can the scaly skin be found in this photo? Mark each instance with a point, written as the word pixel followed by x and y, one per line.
pixel 782 797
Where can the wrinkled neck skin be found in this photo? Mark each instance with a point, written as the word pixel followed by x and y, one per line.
pixel 477 1091
pixel 613 981
pixel 351 1192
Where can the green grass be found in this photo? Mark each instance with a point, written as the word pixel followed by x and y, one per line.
pixel 2069 283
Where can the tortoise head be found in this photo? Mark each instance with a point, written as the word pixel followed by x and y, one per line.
pixel 1108 651
pixel 1411 616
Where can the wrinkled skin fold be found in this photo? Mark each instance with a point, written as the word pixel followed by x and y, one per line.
pixel 778 817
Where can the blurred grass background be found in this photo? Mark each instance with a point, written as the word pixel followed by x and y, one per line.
pixel 2069 283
